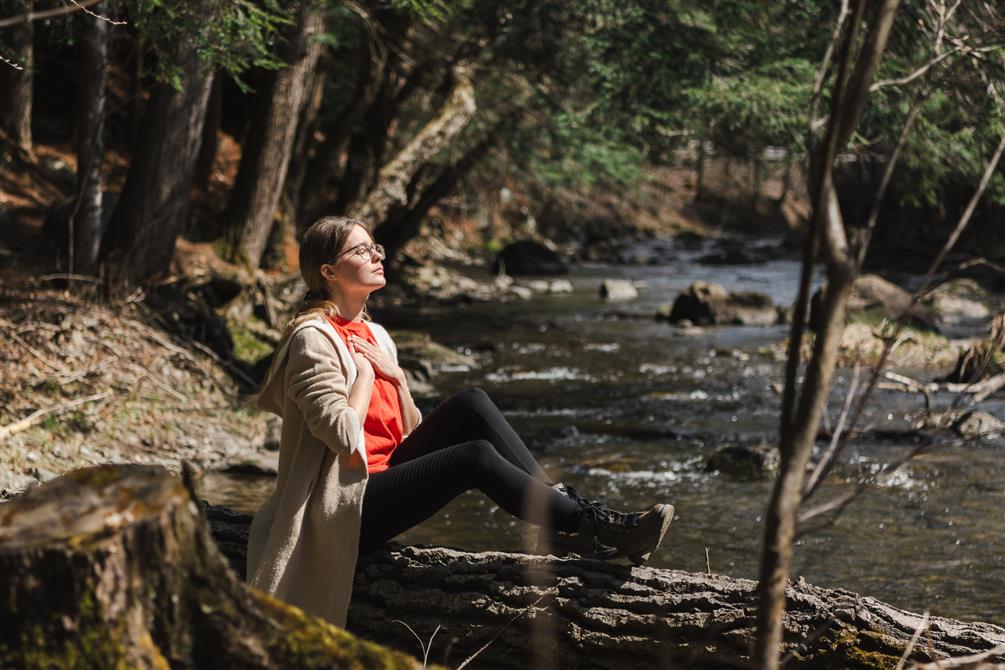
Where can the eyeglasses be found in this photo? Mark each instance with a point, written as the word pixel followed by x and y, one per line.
pixel 366 250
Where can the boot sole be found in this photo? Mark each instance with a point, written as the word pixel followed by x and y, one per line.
pixel 666 513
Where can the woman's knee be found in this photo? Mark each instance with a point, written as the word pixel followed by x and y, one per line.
pixel 473 398
pixel 479 456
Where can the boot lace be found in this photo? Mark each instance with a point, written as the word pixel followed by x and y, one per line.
pixel 602 514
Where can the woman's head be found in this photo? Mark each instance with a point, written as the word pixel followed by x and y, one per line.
pixel 338 257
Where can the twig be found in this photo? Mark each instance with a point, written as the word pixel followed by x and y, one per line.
pixel 63 381
pixel 988 387
pixel 825 460
pixel 922 626
pixel 961 661
pixel 46 13
pixel 158 382
pixel 708 563
pixel 500 632
pixel 71 277
pixel 98 16
pixel 31 350
pixel 36 416
pixel 424 647
pixel 917 73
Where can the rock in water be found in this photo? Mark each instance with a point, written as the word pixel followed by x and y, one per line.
pixel 711 304
pixel 529 258
pixel 979 425
pixel 617 290
pixel 744 461
pixel 873 296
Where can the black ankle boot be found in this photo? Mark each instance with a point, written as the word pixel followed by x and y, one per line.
pixel 606 533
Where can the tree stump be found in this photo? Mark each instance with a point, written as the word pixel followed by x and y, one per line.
pixel 541 611
pixel 113 567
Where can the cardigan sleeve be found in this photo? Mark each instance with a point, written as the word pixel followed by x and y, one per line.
pixel 316 383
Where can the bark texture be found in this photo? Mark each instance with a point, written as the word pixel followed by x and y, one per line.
pixel 15 85
pixel 154 202
pixel 262 173
pixel 572 613
pixel 391 188
pixel 113 567
pixel 86 223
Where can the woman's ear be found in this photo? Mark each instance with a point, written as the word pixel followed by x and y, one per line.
pixel 328 272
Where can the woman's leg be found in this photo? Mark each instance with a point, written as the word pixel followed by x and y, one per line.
pixel 408 493
pixel 466 416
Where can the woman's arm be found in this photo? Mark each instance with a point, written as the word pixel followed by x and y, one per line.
pixel 316 383
pixel 410 415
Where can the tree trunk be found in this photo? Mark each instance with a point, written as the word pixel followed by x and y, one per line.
pixel 260 177
pixel 210 142
pixel 86 223
pixel 324 163
pixel 15 85
pixel 154 201
pixel 394 177
pixel 606 615
pixel 113 567
pixel 403 224
pixel 304 145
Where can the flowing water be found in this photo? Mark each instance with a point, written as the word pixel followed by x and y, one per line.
pixel 627 410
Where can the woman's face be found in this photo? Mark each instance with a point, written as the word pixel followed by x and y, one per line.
pixel 351 272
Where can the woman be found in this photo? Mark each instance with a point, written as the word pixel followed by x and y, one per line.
pixel 358 466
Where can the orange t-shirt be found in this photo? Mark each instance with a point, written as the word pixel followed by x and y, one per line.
pixel 384 427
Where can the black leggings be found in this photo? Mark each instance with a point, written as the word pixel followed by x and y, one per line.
pixel 465 443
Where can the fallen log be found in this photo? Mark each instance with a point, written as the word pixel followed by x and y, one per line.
pixel 541 611
pixel 114 567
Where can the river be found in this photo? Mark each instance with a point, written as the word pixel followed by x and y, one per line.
pixel 628 409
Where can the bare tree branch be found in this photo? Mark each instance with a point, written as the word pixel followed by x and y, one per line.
pixel 46 13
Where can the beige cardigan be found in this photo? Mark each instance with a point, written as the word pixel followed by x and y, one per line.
pixel 304 539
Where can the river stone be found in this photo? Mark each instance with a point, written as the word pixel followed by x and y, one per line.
pixel 616 290
pixel 704 303
pixel 979 424
pixel 538 285
pixel 958 300
pixel 522 292
pixel 529 258
pixel 744 460
pixel 872 295
pixel 560 286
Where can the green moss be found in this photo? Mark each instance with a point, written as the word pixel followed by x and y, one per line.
pixel 93 645
pixel 860 650
pixel 247 346
pixel 884 325
pixel 308 642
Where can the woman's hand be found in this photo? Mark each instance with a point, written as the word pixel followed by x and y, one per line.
pixel 376 357
pixel 364 369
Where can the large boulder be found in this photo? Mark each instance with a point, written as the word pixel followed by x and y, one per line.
pixel 529 258
pixel 875 298
pixel 711 304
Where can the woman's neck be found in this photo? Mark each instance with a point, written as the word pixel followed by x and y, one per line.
pixel 350 308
